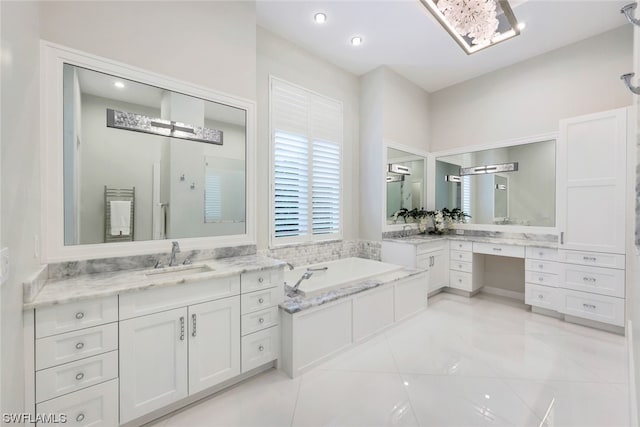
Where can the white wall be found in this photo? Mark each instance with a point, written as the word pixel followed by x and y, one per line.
pixel 285 60
pixel 530 97
pixel 20 182
pixel 207 43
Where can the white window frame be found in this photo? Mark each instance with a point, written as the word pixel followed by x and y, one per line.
pixel 309 237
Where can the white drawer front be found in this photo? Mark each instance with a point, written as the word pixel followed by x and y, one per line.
pixel 461 256
pixel 541 296
pixel 545 279
pixel 542 266
pixel 96 406
pixel 457 245
pixel 257 280
pixel 260 347
pixel 62 318
pixel 64 348
pixel 500 250
pixel 150 301
pixel 432 247
pixel 541 253
pixel 259 300
pixel 595 259
pixel 604 281
pixel 70 377
pixel 258 320
pixel 462 281
pixel 467 267
pixel 590 306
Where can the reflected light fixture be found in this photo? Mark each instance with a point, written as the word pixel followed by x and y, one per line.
pixel 119 85
pixel 356 41
pixel 475 24
pixel 481 170
pixel 320 18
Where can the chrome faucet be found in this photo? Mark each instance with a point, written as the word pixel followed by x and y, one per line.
pixel 294 290
pixel 175 248
pixel 406 227
pixel 291 267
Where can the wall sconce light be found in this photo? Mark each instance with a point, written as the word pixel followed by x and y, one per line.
pixel 481 170
pixel 399 169
pixel 452 178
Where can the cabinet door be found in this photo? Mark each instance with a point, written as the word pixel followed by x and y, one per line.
pixel 153 362
pixel 214 343
pixel 439 272
pixel 591 182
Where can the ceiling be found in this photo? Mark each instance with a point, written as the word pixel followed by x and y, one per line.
pixel 403 35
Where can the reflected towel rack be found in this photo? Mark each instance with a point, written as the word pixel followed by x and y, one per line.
pixel 118 194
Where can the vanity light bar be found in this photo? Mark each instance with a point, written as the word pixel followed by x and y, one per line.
pixel 452 178
pixel 395 178
pixel 501 187
pixel 479 170
pixel 139 123
pixel 402 170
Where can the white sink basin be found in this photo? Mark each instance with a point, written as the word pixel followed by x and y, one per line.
pixel 178 272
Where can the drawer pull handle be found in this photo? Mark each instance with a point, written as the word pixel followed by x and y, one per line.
pixel 541 265
pixel 181 328
pixel 79 315
pixel 261 300
pixel 79 376
pixel 261 320
pixel 589 258
pixel 589 306
pixel 540 296
pixel 460 265
pixel 80 346
pixel 80 417
pixel 460 256
pixel 260 279
pixel 589 279
pixel 540 253
pixel 261 348
pixel 497 249
pixel 193 321
pixel 540 279
pixel 460 280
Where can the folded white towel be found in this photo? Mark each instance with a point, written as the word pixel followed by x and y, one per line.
pixel 120 217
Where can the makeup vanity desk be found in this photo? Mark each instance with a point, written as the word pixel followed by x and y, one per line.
pixel 583 287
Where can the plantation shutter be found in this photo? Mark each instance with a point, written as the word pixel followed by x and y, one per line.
pixel 212 196
pixel 307 145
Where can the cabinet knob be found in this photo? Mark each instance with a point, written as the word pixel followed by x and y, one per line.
pixel 540 279
pixel 79 376
pixel 261 348
pixel 80 345
pixel 260 279
pixel 540 296
pixel 80 417
pixel 541 265
pixel 261 300
pixel 460 280
pixel 79 315
pixel 261 320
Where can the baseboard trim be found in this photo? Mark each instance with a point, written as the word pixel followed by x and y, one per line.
pixel 503 293
pixel 633 392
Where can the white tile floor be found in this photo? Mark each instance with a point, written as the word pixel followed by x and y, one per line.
pixel 463 362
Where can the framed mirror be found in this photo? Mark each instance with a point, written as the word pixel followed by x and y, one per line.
pixel 134 159
pixel 512 185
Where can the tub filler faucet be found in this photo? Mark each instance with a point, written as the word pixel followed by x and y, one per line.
pixel 307 275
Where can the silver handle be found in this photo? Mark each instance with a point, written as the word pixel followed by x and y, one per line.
pixel 459 265
pixel 562 237
pixel 540 253
pixel 261 300
pixel 589 279
pixel 261 320
pixel 497 249
pixel 261 348
pixel 540 265
pixel 540 296
pixel 460 280
pixel 540 279
pixel 79 376
pixel 589 258
pixel 260 279
pixel 80 417
pixel 80 346
pixel 193 320
pixel 181 328
pixel 79 315
pixel 588 306
pixel 318 269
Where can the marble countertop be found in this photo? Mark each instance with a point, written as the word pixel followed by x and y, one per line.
pixel 300 303
pixel 59 291
pixel 529 241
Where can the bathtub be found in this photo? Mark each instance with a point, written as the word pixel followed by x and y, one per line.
pixel 339 273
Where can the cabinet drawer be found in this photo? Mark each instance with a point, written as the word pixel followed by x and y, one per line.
pixel 542 266
pixel 591 306
pixel 500 250
pixel 257 280
pixel 70 377
pixel 259 300
pixel 541 253
pixel 541 296
pixel 545 279
pixel 461 256
pixel 461 246
pixel 260 347
pixel 467 267
pixel 258 320
pixel 64 348
pixel 460 280
pixel 62 318
pixel 150 301
pixel 595 259
pixel 94 406
pixel 431 247
pixel 604 281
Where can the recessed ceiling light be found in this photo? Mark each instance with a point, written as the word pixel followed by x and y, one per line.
pixel 119 85
pixel 356 41
pixel 320 18
pixel 521 26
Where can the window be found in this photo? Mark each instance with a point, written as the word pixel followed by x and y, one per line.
pixel 306 131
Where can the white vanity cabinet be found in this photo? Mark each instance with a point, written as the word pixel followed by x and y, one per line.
pixel 541 278
pixel 430 256
pixel 465 268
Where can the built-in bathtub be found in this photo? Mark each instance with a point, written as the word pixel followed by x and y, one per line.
pixel 338 274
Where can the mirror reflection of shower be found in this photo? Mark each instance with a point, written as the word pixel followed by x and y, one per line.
pixel 405 178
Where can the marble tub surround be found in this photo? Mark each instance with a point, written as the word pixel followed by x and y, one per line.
pixel 104 265
pixel 300 303
pixel 313 253
pixel 32 286
pixel 62 290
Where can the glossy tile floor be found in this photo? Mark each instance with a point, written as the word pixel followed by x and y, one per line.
pixel 463 362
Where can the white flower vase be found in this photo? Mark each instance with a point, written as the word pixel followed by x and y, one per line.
pixel 422 225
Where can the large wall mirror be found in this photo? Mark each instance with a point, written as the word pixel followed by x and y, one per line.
pixel 135 157
pixel 512 185
pixel 405 177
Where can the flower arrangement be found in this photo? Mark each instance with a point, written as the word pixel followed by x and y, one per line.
pixel 439 218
